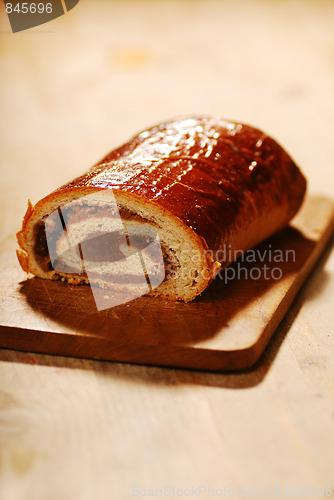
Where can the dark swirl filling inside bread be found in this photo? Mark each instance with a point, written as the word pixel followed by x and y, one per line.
pixel 104 247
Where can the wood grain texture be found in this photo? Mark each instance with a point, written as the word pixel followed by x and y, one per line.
pixel 227 328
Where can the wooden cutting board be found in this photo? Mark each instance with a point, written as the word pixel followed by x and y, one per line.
pixel 226 328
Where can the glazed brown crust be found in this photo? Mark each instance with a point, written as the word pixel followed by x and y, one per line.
pixel 205 171
pixel 227 183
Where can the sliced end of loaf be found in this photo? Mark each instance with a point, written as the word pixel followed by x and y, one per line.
pixel 187 266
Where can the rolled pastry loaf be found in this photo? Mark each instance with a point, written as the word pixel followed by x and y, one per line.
pixel 169 200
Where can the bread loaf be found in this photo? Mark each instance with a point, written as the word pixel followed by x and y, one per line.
pixel 166 201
